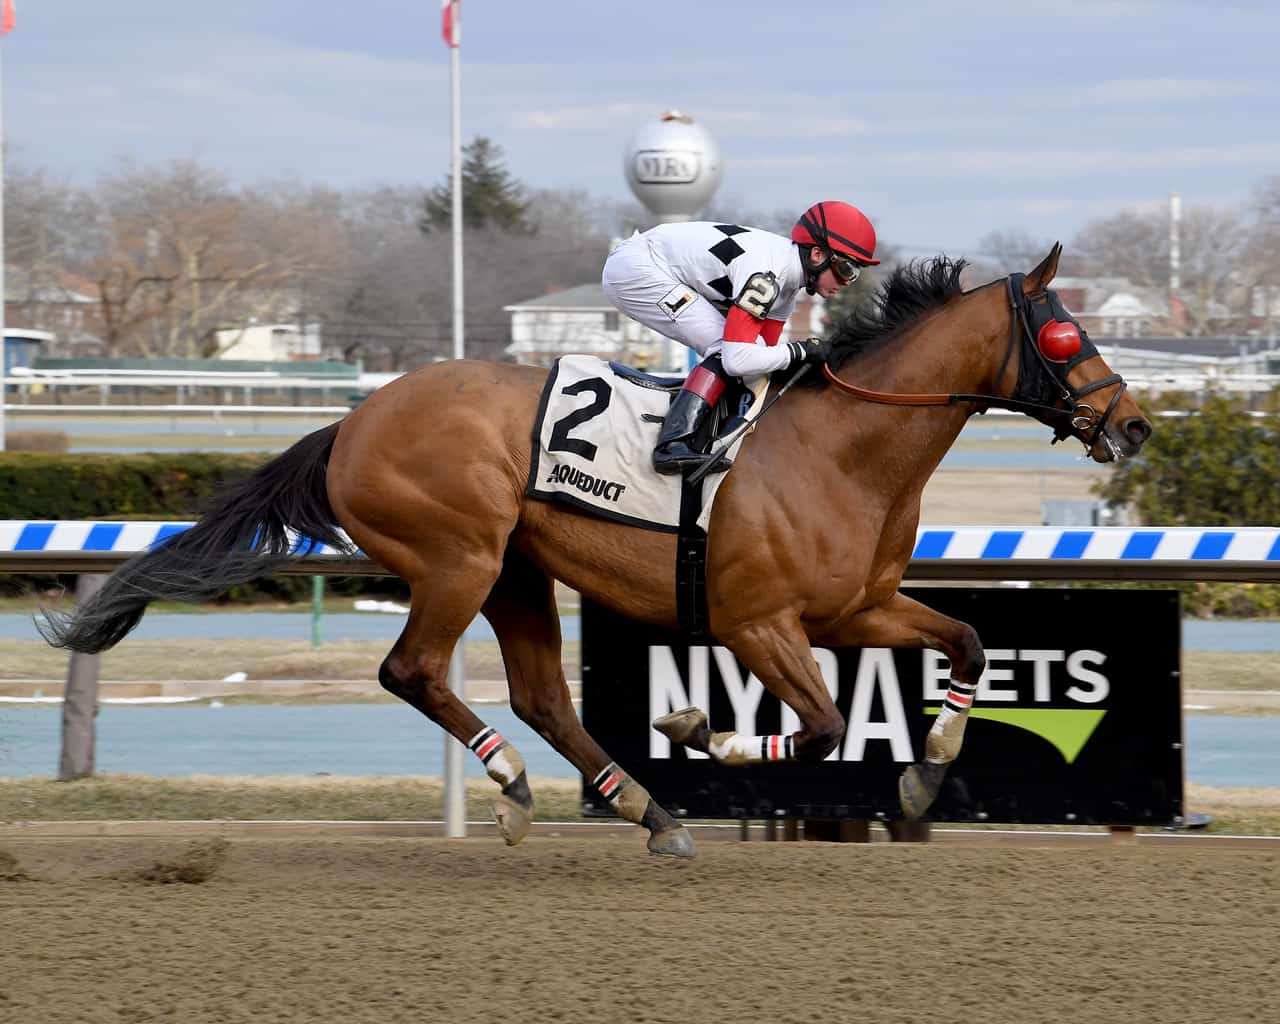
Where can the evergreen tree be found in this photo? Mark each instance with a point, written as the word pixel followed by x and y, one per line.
pixel 1213 466
pixel 491 197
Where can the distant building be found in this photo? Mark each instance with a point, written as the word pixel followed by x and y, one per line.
pixel 583 320
pixel 22 346
pixel 57 302
pixel 270 342
pixel 1115 307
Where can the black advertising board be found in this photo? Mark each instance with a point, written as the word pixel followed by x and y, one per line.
pixel 1078 719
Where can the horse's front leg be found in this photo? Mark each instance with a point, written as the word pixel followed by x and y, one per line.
pixel 778 654
pixel 902 622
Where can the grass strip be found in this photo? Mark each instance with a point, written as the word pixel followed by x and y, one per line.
pixel 162 660
pixel 281 798
pixel 332 798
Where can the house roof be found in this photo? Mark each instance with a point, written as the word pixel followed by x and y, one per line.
pixel 583 296
pixel 52 287
pixel 1110 296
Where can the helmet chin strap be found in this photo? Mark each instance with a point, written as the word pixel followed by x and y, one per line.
pixel 812 273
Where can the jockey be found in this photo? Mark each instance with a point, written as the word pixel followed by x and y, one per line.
pixel 726 291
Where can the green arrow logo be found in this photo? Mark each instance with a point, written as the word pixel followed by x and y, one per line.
pixel 1068 729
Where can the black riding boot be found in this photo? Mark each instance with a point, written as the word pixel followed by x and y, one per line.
pixel 675 451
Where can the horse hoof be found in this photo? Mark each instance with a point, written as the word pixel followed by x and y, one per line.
pixel 918 788
pixel 682 726
pixel 512 819
pixel 675 842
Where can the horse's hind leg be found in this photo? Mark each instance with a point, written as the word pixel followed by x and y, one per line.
pixel 521 608
pixel 417 672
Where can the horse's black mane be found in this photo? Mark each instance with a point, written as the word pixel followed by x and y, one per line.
pixel 908 293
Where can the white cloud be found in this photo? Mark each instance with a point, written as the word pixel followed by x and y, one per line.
pixel 1065 162
pixel 724 123
pixel 579 118
pixel 1126 92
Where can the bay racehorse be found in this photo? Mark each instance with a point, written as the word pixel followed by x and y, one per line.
pixel 427 477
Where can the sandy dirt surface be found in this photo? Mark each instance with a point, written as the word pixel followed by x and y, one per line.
pixel 569 929
pixel 1002 497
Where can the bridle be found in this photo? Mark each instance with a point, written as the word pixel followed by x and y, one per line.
pixel 1077 421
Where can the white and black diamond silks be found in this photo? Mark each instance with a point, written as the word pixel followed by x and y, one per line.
pixel 726 251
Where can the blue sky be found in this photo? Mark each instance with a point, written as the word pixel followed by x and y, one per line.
pixel 942 123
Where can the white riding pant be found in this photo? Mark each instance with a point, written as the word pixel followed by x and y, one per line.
pixel 645 290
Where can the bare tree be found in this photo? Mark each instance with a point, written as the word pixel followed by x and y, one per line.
pixel 1011 251
pixel 1213 282
pixel 1134 244
pixel 1262 253
pixel 396 292
pixel 176 260
pixel 44 242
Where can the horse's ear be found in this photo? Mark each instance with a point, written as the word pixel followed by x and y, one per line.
pixel 1038 280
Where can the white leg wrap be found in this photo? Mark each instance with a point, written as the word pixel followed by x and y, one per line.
pixel 947 735
pixel 500 759
pixel 733 748
pixel 625 795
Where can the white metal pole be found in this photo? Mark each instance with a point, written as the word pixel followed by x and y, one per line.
pixel 4 369
pixel 455 798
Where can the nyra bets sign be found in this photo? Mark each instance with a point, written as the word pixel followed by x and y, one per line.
pixel 1077 718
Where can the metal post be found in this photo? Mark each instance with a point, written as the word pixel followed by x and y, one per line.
pixel 4 369
pixel 317 608
pixel 455 793
pixel 80 698
pixel 455 802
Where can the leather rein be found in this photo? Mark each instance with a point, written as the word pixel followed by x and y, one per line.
pixel 1065 422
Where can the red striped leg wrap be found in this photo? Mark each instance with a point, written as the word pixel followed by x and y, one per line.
pixel 775 748
pixel 959 696
pixel 487 744
pixel 704 383
pixel 609 782
pixel 501 760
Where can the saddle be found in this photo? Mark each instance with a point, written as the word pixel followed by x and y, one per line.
pixel 725 418
pixel 592 449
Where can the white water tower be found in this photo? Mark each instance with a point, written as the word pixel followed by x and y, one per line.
pixel 673 166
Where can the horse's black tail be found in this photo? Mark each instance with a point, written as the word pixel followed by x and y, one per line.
pixel 244 536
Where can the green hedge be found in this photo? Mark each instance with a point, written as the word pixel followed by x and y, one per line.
pixel 38 485
pixel 175 487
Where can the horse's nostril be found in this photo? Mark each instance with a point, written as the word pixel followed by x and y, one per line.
pixel 1137 430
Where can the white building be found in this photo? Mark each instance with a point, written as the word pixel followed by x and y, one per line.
pixel 1110 307
pixel 270 342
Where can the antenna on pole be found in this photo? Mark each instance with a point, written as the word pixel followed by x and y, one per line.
pixel 455 801
pixel 6 26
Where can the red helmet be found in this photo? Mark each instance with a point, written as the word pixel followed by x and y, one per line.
pixel 837 227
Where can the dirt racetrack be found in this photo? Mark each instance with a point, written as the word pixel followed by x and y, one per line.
pixel 319 929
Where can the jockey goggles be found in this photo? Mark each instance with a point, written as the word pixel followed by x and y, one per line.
pixel 846 270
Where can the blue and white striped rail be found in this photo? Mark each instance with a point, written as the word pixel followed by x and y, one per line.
pixel 97 546
pixel 1108 552
pixel 962 552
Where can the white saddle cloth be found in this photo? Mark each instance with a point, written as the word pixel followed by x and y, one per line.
pixel 593 447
